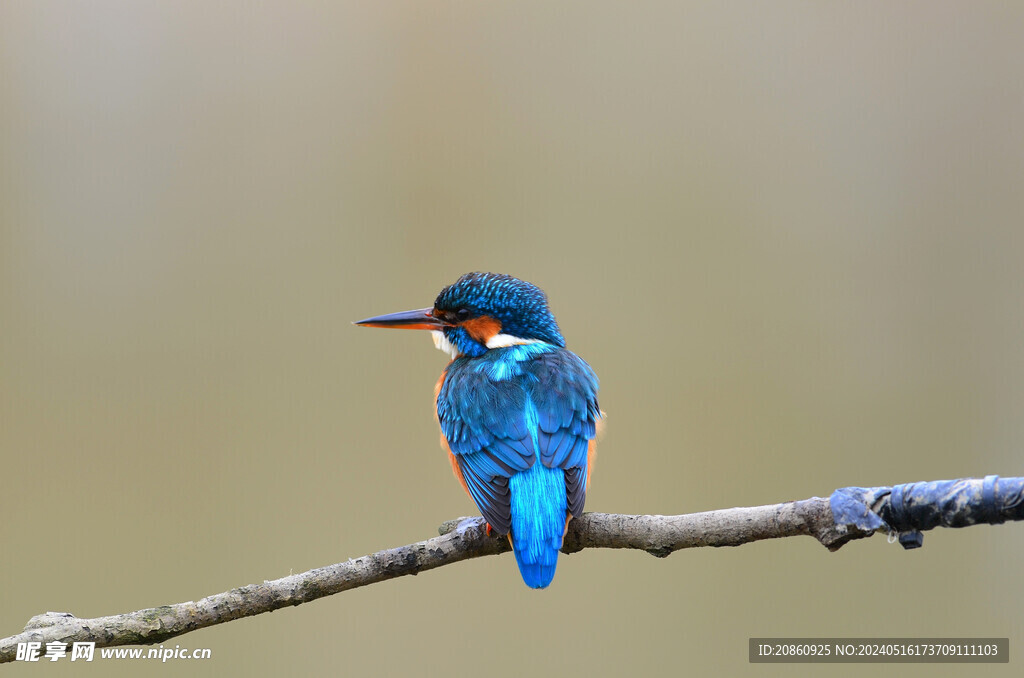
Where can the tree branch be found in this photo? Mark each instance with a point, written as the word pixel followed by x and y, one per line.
pixel 851 513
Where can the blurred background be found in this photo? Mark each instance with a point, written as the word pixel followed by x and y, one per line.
pixel 787 236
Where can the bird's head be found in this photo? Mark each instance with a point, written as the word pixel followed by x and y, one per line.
pixel 479 312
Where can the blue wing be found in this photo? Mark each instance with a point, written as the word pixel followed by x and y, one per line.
pixel 499 411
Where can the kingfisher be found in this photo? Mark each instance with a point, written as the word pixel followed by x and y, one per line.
pixel 518 411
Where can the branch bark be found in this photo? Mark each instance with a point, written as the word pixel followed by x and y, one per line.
pixel 459 540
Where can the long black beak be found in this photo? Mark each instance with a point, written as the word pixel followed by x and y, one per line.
pixel 420 319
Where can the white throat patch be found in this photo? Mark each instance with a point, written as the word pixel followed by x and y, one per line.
pixel 441 342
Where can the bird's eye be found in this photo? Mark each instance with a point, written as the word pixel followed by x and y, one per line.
pixel 462 313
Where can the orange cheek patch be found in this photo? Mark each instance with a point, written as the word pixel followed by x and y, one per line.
pixel 482 328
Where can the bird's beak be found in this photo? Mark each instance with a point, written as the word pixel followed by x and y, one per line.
pixel 420 319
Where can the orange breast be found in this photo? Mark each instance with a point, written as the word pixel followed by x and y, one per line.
pixel 444 441
pixel 592 447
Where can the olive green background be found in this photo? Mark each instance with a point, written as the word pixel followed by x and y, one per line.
pixel 788 236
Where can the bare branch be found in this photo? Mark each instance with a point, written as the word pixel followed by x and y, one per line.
pixel 466 538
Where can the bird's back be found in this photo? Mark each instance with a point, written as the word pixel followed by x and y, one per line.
pixel 520 423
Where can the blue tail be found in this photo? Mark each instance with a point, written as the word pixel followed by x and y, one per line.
pixel 538 522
